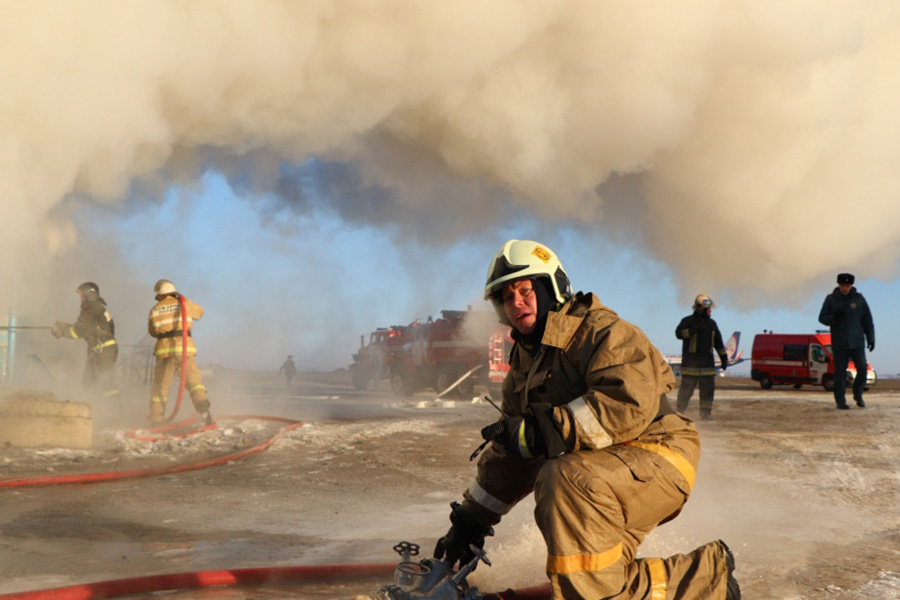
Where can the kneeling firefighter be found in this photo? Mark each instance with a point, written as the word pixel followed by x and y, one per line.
pixel 588 428
pixel 171 321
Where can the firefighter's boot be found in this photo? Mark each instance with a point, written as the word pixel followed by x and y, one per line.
pixel 157 411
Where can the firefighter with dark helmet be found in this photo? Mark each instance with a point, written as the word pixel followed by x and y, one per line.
pixel 96 327
pixel 165 324
pixel 587 428
pixel 700 341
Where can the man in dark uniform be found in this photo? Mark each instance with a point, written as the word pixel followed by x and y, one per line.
pixel 847 314
pixel 700 336
pixel 96 327
pixel 288 369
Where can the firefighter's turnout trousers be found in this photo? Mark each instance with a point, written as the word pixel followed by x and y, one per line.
pixel 595 507
pixel 689 383
pixel 100 370
pixel 167 369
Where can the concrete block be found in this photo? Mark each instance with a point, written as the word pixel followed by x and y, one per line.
pixel 35 419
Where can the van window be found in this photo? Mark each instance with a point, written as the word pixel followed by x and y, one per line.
pixel 818 354
pixel 795 352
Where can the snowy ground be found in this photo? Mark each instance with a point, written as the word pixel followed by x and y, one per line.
pixel 805 495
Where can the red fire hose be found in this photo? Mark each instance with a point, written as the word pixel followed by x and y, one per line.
pixel 153 471
pixel 204 579
pixel 234 577
pixel 184 354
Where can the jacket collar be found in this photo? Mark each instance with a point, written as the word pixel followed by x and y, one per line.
pixel 562 324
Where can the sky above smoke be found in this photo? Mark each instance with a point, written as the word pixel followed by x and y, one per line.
pixel 273 158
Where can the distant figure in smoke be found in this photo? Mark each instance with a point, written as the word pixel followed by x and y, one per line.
pixel 96 327
pixel 288 370
pixel 847 314
pixel 588 428
pixel 165 324
pixel 700 336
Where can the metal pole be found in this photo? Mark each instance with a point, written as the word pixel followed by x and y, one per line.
pixel 11 338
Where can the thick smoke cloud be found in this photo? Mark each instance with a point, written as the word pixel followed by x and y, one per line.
pixel 750 143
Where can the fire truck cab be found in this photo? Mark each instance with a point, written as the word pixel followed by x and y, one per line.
pixel 798 359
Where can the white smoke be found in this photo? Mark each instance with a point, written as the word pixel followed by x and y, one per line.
pixel 752 144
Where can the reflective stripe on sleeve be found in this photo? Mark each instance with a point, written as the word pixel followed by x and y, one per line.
pixel 589 423
pixel 657 578
pixel 565 565
pixel 493 504
pixel 678 461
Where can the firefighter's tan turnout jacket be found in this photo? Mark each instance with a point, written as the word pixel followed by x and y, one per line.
pixel 607 383
pixel 165 325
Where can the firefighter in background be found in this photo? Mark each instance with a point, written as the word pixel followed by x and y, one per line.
pixel 847 314
pixel 700 336
pixel 165 324
pixel 96 327
pixel 288 369
pixel 588 428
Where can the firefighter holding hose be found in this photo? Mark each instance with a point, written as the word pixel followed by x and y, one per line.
pixel 96 327
pixel 587 427
pixel 170 322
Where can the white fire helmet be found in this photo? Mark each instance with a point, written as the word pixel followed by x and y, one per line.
pixel 163 287
pixel 703 301
pixel 519 259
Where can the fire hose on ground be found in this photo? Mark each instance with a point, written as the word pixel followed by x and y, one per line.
pixel 428 579
pixel 155 471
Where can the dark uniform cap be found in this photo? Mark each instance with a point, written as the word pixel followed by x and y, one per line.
pixel 843 278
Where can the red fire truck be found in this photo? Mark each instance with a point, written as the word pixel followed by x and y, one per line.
pixel 798 359
pixel 435 353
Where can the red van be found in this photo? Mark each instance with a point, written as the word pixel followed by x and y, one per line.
pixel 797 359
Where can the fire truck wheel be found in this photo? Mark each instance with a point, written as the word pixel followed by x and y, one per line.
pixel 361 379
pixel 442 381
pixel 797 386
pixel 401 385
pixel 828 383
pixel 765 382
pixel 464 389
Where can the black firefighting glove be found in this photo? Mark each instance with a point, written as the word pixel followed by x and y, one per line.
pixel 528 435
pixel 724 360
pixel 871 345
pixel 465 531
